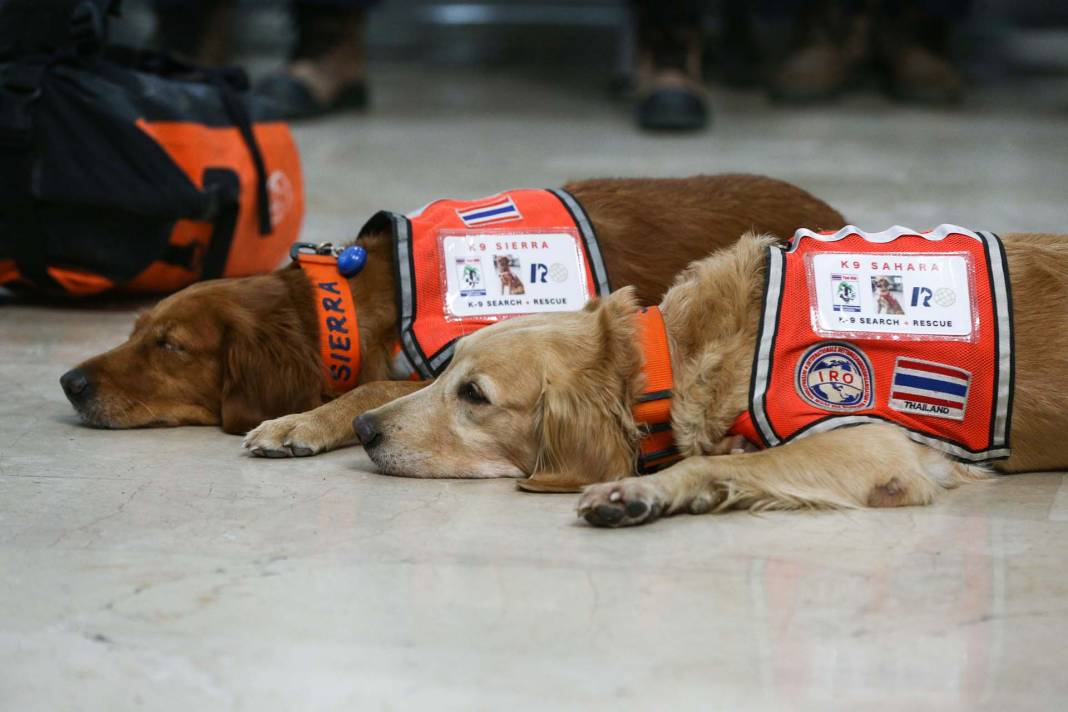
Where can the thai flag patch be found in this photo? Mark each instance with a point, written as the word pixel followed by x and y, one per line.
pixel 929 388
pixel 503 210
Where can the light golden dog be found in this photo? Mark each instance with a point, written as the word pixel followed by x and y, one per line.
pixel 548 399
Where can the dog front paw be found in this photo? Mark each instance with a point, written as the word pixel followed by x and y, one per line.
pixel 297 435
pixel 623 503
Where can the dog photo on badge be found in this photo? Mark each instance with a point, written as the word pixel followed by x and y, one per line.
pixel 507 268
pixel 887 289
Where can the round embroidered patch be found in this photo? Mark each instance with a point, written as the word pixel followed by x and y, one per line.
pixel 835 376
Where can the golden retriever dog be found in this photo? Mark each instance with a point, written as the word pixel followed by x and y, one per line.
pixel 237 352
pixel 549 399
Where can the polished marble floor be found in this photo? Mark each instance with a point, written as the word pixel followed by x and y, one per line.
pixel 162 569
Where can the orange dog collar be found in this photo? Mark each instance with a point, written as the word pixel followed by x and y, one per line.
pixel 652 412
pixel 339 328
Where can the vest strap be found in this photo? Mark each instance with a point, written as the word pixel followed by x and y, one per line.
pixel 339 328
pixel 652 411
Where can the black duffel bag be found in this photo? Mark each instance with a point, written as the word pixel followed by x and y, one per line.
pixel 129 170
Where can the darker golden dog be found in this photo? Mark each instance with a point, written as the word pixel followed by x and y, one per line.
pixel 236 352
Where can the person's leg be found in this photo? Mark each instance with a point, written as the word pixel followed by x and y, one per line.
pixel 670 93
pixel 329 53
pixel 830 46
pixel 738 56
pixel 914 49
pixel 327 65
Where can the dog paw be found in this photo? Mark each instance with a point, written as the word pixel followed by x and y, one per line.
pixel 297 435
pixel 623 503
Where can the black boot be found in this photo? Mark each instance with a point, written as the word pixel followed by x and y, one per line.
pixel 670 93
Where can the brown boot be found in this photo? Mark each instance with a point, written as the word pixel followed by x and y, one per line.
pixel 832 50
pixel 918 75
pixel 912 52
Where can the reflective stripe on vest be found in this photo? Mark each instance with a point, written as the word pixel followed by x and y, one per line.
pixel 652 412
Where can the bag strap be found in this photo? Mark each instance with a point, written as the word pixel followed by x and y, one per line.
pixel 238 113
pixel 224 185
pixel 20 87
pixel 29 254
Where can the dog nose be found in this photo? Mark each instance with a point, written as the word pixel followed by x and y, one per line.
pixel 366 427
pixel 75 384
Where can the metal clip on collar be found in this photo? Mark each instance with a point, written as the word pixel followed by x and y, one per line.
pixel 350 259
pixel 312 248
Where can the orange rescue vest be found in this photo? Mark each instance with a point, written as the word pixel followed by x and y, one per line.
pixel 909 328
pixel 463 265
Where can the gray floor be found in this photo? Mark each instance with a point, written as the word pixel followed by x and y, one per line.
pixel 161 569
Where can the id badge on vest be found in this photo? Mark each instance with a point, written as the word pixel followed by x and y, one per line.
pixel 903 327
pixel 909 296
pixel 501 272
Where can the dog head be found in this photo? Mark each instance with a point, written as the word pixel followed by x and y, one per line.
pixel 231 352
pixel 226 352
pixel 546 397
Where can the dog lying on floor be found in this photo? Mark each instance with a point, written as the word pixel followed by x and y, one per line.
pixel 557 399
pixel 236 352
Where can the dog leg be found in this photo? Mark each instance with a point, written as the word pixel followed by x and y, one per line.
pixel 327 427
pixel 866 466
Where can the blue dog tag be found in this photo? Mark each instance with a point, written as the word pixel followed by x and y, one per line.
pixel 351 260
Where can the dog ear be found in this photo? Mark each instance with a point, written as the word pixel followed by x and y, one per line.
pixel 266 373
pixel 580 440
pixel 585 429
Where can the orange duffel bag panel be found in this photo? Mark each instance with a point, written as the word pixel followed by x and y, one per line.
pixel 195 149
pixel 131 171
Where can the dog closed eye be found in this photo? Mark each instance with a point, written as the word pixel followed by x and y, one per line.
pixel 471 393
pixel 163 343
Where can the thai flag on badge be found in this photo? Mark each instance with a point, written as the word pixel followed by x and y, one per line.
pixel 499 211
pixel 929 388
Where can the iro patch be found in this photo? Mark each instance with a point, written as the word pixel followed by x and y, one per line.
pixel 929 388
pixel 835 376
